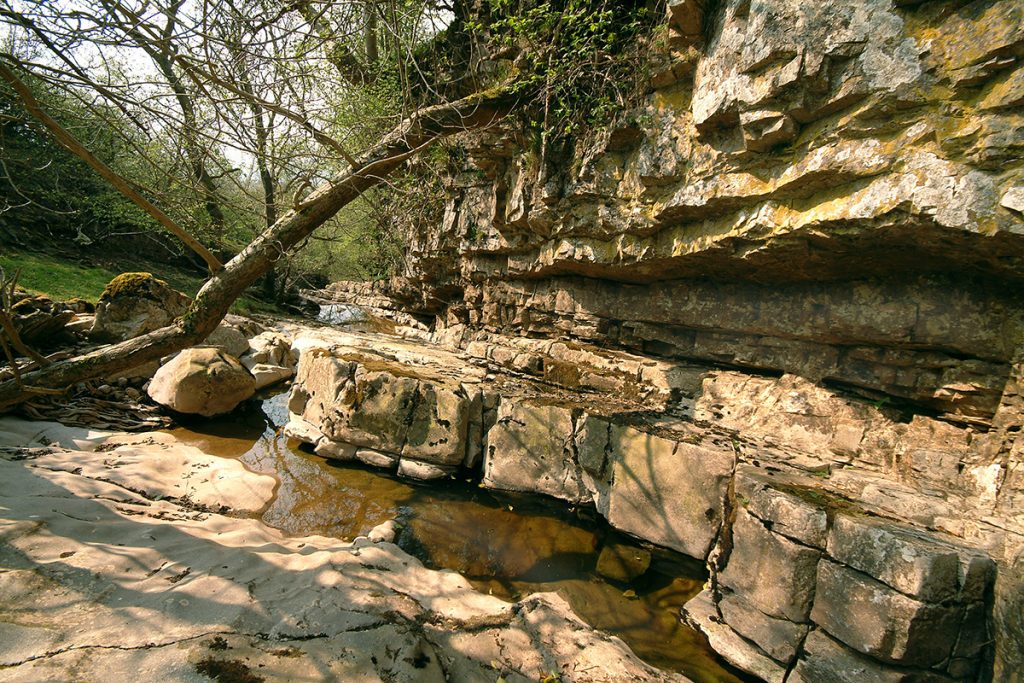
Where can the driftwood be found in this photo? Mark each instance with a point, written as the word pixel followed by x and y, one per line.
pixel 223 287
pixel 98 413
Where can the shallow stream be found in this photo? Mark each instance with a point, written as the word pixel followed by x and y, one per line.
pixel 507 545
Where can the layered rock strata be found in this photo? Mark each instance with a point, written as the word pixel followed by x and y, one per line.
pixel 801 256
pixel 820 517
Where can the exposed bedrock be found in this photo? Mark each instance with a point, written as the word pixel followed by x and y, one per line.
pixel 771 317
pixel 129 558
pixel 831 525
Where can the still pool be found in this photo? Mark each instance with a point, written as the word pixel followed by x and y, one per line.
pixel 505 544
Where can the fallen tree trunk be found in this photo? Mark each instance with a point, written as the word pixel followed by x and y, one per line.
pixel 224 287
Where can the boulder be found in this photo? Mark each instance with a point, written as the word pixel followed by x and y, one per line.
pixel 203 381
pixel 134 304
pixel 228 339
pixel 267 375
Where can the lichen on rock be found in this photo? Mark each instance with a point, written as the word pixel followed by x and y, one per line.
pixel 799 258
pixel 133 304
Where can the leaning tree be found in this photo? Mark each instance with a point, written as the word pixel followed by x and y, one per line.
pixel 221 75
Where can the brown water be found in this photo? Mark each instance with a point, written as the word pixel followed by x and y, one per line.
pixel 507 545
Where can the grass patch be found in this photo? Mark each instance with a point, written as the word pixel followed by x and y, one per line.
pixel 62 279
pixel 59 280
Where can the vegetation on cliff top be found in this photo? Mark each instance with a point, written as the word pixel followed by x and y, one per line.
pixel 239 124
pixel 578 61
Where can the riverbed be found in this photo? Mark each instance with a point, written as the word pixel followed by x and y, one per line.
pixel 507 545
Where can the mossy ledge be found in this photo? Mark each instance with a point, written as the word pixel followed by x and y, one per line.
pixel 132 284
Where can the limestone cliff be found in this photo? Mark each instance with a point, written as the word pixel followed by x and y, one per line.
pixel 803 257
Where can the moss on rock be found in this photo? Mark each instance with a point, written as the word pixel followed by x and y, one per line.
pixel 132 284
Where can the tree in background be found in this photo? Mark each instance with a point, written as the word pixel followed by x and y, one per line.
pixel 218 66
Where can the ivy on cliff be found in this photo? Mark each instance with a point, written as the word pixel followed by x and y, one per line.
pixel 579 61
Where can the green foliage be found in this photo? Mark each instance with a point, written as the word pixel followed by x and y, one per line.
pixel 63 280
pixel 49 197
pixel 57 279
pixel 580 59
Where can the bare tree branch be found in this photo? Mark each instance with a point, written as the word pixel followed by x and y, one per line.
pixel 347 64
pixel 123 186
pixel 221 290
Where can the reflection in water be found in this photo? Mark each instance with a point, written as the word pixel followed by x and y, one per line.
pixel 341 314
pixel 506 545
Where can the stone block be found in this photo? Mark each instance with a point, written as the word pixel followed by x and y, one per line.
pixel 300 430
pixel 667 492
pixel 1013 198
pixel 897 556
pixel 765 129
pixel 531 448
pixel 228 339
pixel 267 375
pixel 593 455
pixel 319 379
pixel 876 620
pixel 439 425
pixel 700 613
pixel 788 515
pixel 424 471
pixel 475 425
pixel 687 16
pixel 335 450
pixel 774 574
pixel 779 638
pixel 297 400
pixel 826 661
pixel 374 458
pixel 373 410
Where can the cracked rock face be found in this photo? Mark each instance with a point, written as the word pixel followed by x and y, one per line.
pixel 120 564
pixel 806 248
pixel 786 488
